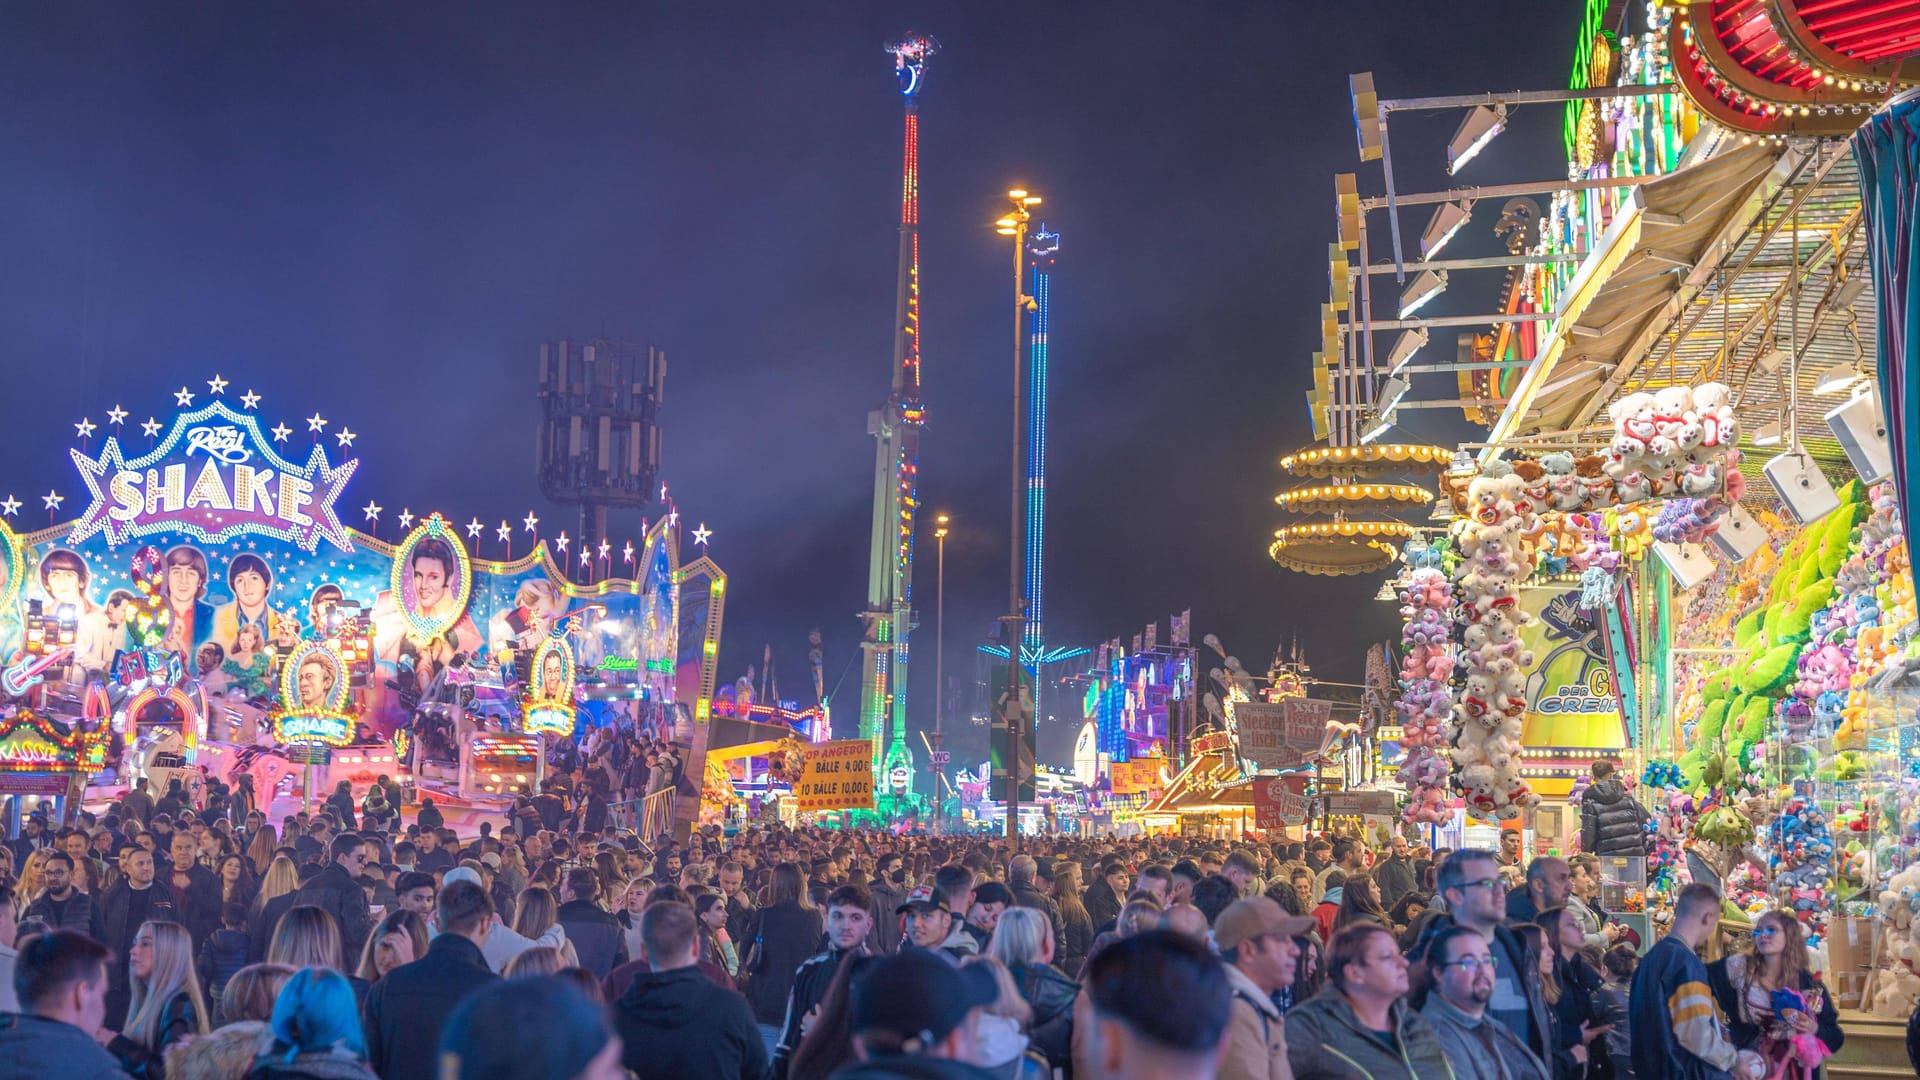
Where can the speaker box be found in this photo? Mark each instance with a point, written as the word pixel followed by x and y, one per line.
pixel 1739 537
pixel 1862 430
pixel 1686 562
pixel 1805 491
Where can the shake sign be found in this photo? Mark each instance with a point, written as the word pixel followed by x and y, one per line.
pixel 1282 734
pixel 213 477
pixel 1280 800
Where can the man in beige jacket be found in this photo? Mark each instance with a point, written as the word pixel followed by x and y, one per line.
pixel 1255 937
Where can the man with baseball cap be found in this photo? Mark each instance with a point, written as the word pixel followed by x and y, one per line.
pixel 927 921
pixel 912 1018
pixel 1255 937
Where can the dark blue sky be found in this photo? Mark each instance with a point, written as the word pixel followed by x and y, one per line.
pixel 377 211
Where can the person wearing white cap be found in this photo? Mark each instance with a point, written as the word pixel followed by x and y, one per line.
pixel 1255 937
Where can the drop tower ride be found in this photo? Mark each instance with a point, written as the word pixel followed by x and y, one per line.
pixel 896 432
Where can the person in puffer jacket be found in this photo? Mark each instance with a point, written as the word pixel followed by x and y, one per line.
pixel 224 952
pixel 1611 822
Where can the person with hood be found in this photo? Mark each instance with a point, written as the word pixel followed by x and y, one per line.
pixel 1611 821
pixel 1361 1024
pixel 62 979
pixel 673 1021
pixel 889 889
pixel 528 1029
pixel 336 890
pixel 913 1018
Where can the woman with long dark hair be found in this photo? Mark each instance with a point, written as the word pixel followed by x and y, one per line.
pixel 828 1043
pixel 1745 983
pixel 1360 901
pixel 784 934
pixel 401 938
pixel 1577 1012
pixel 1076 925
pixel 1569 1059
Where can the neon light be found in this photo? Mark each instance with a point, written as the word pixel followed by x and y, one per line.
pixel 240 485
pixel 314 684
pixel 431 624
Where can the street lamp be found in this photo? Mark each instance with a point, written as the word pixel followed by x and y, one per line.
pixel 938 759
pixel 1020 212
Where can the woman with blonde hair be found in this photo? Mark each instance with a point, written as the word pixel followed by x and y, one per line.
pixel 166 1002
pixel 536 916
pixel 260 849
pixel 401 938
pixel 27 889
pixel 536 962
pixel 250 992
pixel 1023 941
pixel 280 884
pixel 310 937
pixel 1002 1048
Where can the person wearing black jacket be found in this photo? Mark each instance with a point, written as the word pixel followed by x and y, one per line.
pixel 1020 874
pixel 133 900
pixel 1743 984
pixel 674 1021
pixel 407 1009
pixel 849 919
pixel 336 890
pixel 1611 822
pixel 60 905
pixel 596 935
pixel 782 936
pixel 1578 985
pixel 195 889
pixel 264 920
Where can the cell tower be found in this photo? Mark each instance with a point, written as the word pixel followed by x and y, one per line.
pixel 896 432
pixel 599 443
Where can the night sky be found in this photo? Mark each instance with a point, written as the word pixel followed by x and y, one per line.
pixel 378 211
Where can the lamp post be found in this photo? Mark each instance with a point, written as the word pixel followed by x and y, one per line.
pixel 938 759
pixel 1020 212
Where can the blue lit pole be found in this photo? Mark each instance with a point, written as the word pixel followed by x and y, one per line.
pixel 1042 247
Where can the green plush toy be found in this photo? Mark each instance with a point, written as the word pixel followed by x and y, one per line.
pixel 1715 688
pixel 1794 623
pixel 1712 719
pixel 1745 630
pixel 1692 764
pixel 1725 826
pixel 1849 765
pixel 1771 670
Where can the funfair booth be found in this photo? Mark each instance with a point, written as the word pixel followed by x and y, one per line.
pixel 208 612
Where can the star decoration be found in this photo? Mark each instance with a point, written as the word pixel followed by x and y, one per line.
pixel 150 428
pixel 673 519
pixel 183 397
pixel 629 551
pixel 85 428
pixel 604 548
pixel 53 499
pixel 116 416
pixel 406 518
pixel 346 436
pixel 372 510
pixel 280 432
pixel 249 399
pixel 473 528
pixel 315 423
pixel 503 532
pixel 9 506
pixel 217 384
pixel 585 557
pixel 702 534
pixel 663 491
pixel 530 521
pixel 562 542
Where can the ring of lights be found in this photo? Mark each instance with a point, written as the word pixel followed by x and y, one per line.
pixel 1363 460
pixel 1339 497
pixel 426 627
pixel 1335 548
pixel 15 564
pixel 298 724
pixel 549 709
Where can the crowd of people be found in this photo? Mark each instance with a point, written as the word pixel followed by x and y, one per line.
pixel 160 939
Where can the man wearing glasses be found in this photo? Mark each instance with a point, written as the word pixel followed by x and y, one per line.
pixel 336 890
pixel 1462 965
pixel 1476 898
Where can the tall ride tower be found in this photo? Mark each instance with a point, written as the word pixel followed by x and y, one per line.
pixel 896 432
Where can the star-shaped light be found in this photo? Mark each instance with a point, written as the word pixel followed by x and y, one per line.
pixel 183 397
pixel 663 491
pixel 217 384
pixel 530 521
pixel 702 534
pixel 504 531
pixel 473 528
pixel 249 399
pixel 604 548
pixel 585 556
pixel 150 428
pixel 346 436
pixel 9 506
pixel 85 428
pixel 562 542
pixel 116 416
pixel 406 518
pixel 673 519
pixel 372 510
pixel 53 499
pixel 280 432
pixel 629 551
pixel 315 422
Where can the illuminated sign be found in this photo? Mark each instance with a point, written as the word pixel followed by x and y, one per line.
pixel 549 704
pixel 620 663
pixel 213 477
pixel 313 693
pixel 432 578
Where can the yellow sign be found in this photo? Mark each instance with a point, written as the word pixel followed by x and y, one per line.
pixel 1140 774
pixel 837 776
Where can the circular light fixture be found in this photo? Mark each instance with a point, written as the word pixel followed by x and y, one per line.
pixel 1341 497
pixel 1362 460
